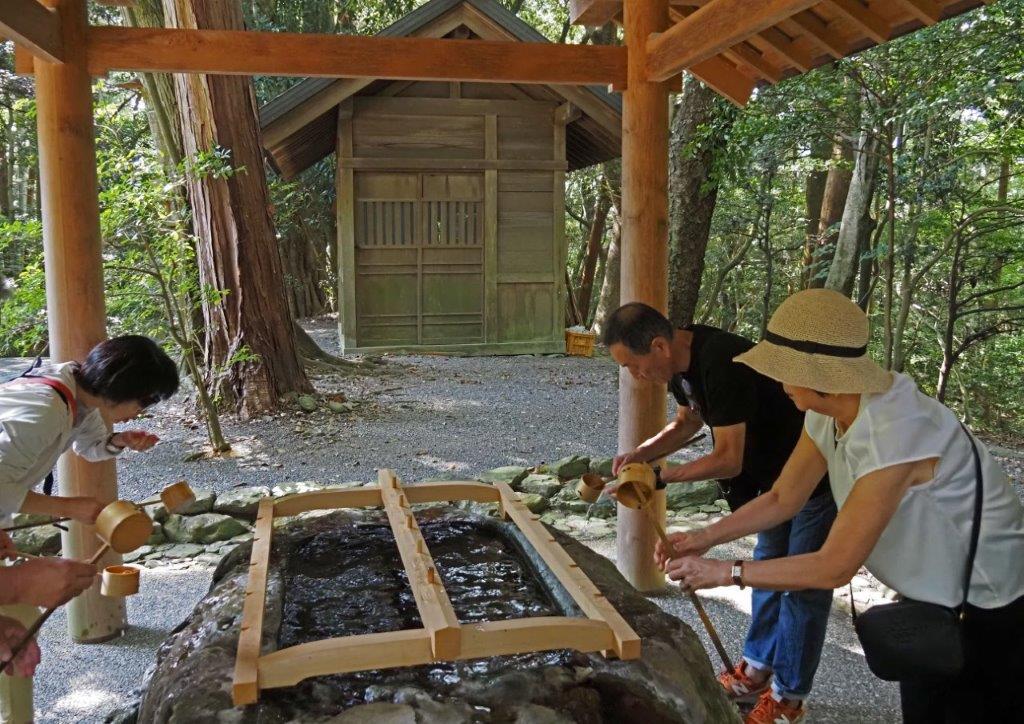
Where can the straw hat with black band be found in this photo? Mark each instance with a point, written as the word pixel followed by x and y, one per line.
pixel 818 339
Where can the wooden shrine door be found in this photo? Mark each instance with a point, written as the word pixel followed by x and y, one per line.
pixel 419 257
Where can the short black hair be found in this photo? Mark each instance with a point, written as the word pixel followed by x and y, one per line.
pixel 635 326
pixel 128 368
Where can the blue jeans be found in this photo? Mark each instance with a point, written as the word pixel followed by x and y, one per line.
pixel 787 629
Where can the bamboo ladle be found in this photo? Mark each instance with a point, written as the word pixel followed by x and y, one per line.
pixel 174 497
pixel 122 527
pixel 637 483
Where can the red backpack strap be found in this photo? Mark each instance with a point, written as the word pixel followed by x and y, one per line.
pixel 60 388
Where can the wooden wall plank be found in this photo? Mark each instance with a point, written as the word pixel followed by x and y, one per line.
pixel 347 332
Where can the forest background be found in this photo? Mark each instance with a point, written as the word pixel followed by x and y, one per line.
pixel 893 176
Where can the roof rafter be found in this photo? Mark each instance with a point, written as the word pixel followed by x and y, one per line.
pixel 924 10
pixel 862 18
pixel 717 26
pixel 818 30
pixel 33 26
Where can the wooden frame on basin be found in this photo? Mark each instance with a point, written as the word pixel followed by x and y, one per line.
pixel 442 637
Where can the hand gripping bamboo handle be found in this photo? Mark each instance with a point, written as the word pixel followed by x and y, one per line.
pixel 701 612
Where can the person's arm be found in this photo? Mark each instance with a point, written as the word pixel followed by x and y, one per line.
pixel 46 582
pixel 857 528
pixel 90 439
pixel 666 442
pixel 82 509
pixel 799 477
pixel 723 462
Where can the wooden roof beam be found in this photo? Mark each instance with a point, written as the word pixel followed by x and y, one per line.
pixel 745 56
pixel 238 52
pixel 818 30
pixel 862 18
pixel 926 11
pixel 33 26
pixel 717 26
pixel 785 47
pixel 725 79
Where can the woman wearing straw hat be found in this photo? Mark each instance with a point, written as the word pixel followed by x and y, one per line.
pixel 905 475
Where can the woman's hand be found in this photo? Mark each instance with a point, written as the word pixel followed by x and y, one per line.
pixel 695 573
pixel 683 544
pixel 620 461
pixel 84 510
pixel 134 439
pixel 11 633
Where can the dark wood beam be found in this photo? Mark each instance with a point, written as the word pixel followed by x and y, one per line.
pixel 725 79
pixel 775 39
pixel 862 18
pixel 717 26
pixel 235 52
pixel 817 30
pixel 926 11
pixel 33 26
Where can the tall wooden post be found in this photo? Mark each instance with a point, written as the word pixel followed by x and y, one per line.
pixel 74 280
pixel 644 266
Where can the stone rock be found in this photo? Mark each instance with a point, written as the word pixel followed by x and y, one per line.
pixel 204 528
pixel 29 518
pixel 682 495
pixel 510 474
pixel 536 503
pixel 537 714
pixel 545 485
pixel 602 467
pixel 571 467
pixel 157 536
pixel 379 713
pixel 305 486
pixel 714 509
pixel 241 502
pixel 580 507
pixel 340 407
pixel 672 681
pixel 307 403
pixel 182 550
pixel 43 540
pixel 202 504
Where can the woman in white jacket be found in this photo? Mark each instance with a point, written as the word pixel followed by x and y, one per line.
pixel 46 412
pixel 903 474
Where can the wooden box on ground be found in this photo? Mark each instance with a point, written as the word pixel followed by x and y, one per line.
pixel 579 344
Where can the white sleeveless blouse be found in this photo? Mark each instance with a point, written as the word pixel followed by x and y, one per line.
pixel 922 553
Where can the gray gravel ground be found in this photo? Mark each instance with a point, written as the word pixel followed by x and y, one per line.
pixel 426 417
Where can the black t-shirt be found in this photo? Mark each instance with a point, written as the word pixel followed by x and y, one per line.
pixel 724 392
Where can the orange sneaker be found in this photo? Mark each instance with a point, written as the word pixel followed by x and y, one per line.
pixel 770 710
pixel 740 687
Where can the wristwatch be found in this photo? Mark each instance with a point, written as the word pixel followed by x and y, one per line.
pixel 737 574
pixel 112 447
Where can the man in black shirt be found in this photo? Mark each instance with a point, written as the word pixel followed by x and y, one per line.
pixel 755 427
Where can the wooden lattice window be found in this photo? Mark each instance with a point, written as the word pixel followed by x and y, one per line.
pixel 454 223
pixel 386 223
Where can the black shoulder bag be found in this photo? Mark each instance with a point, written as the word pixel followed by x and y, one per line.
pixel 913 640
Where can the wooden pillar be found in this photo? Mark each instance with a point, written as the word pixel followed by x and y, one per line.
pixel 644 266
pixel 74 281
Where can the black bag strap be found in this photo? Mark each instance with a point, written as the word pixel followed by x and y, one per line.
pixel 979 499
pixel 979 494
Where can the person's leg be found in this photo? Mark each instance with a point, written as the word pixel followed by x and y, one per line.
pixel 995 656
pixel 760 645
pixel 16 691
pixel 922 703
pixel 803 615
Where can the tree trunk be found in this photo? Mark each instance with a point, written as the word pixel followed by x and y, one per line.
pixel 595 237
pixel 248 327
pixel 608 301
pixel 158 87
pixel 857 222
pixel 305 270
pixel 837 188
pixel 814 196
pixel 693 191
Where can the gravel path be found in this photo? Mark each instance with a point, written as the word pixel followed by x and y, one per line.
pixel 426 417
